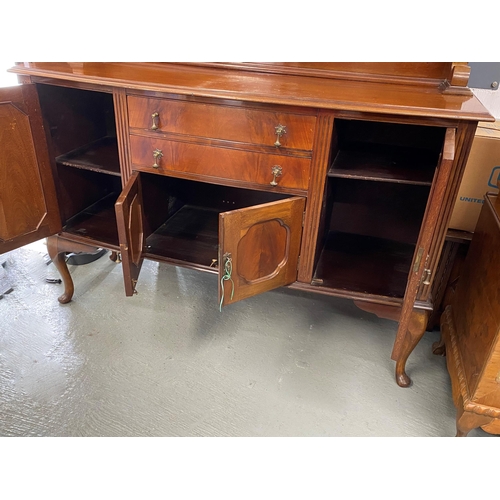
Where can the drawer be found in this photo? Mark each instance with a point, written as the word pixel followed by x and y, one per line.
pixel 229 123
pixel 218 162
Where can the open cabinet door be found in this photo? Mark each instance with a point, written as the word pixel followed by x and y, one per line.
pixel 418 268
pixel 259 248
pixel 28 202
pixel 130 222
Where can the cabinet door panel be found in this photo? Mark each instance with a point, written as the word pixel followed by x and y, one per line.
pixel 259 248
pixel 130 222
pixel 28 204
pixel 435 205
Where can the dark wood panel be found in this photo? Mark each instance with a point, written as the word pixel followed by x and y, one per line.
pixel 80 188
pixel 385 210
pixel 190 235
pixel 76 117
pixel 364 264
pixel 96 222
pixel 100 156
pixel 399 165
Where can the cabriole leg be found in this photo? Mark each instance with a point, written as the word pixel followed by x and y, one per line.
pixel 57 248
pixel 418 325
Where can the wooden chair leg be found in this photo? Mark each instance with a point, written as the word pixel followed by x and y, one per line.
pixel 418 325
pixel 57 248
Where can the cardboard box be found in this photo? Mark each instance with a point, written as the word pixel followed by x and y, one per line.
pixel 480 176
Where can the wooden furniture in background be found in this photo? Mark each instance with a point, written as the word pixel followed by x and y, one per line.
pixel 334 178
pixel 470 328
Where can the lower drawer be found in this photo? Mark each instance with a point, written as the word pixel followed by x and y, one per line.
pixel 217 162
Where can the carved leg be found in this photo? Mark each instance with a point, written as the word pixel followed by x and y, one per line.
pixel 439 348
pixel 115 257
pixel 466 421
pixel 57 247
pixel 418 324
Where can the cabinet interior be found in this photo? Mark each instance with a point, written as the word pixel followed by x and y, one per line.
pixel 81 125
pixel 375 198
pixel 181 217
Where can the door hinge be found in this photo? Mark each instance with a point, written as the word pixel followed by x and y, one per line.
pixel 303 218
pixel 298 262
pixel 418 259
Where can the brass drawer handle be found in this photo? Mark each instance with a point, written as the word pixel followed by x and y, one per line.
pixel 280 130
pixel 157 154
pixel 155 117
pixel 276 171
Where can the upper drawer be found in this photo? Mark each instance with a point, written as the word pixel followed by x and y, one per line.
pixel 230 123
pixel 200 161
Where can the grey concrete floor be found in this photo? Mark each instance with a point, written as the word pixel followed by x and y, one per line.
pixel 166 362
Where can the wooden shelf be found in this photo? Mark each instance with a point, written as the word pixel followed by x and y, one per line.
pixel 364 264
pixel 190 235
pixel 97 222
pixel 98 156
pixel 385 164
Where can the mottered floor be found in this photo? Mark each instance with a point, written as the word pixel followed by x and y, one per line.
pixel 166 362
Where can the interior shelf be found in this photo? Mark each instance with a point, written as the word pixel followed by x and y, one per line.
pixel 98 156
pixel 364 264
pixel 97 222
pixel 388 164
pixel 190 235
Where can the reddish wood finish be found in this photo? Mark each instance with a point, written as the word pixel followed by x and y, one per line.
pixel 28 206
pixel 221 163
pixel 216 124
pixel 319 165
pixel 121 113
pixel 464 137
pixel 129 218
pixel 326 93
pixel 226 122
pixel 407 338
pixel 263 243
pixel 57 247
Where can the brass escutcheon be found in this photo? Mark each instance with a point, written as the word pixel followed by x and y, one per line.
pixel 157 154
pixel 276 171
pixel 154 117
pixel 280 130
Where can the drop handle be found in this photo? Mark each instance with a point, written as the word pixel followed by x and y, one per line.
pixel 155 118
pixel 277 172
pixel 157 154
pixel 279 131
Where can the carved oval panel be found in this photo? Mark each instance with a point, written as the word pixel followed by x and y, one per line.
pixel 263 250
pixel 22 204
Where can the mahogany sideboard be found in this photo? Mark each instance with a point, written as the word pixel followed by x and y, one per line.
pixel 335 178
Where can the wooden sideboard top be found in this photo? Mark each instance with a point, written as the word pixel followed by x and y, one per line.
pixel 261 84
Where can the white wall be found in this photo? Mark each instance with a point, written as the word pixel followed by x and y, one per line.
pixel 490 100
pixel 7 79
